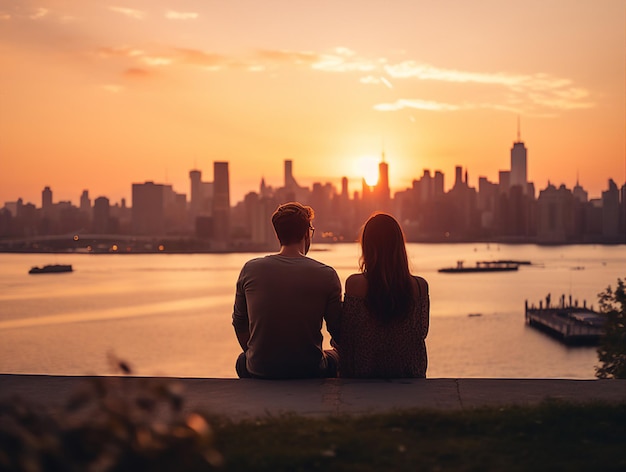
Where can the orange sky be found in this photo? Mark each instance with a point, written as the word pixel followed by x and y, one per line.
pixel 97 95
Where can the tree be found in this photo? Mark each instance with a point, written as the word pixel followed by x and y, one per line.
pixel 612 350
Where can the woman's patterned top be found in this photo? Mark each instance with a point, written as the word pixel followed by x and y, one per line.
pixel 371 349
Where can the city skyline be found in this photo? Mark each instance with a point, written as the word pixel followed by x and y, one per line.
pixel 100 95
pixel 355 184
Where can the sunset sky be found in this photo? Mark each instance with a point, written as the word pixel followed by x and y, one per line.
pixel 97 95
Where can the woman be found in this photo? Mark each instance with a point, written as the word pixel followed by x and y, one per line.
pixel 385 309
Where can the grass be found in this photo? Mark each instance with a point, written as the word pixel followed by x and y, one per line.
pixel 551 436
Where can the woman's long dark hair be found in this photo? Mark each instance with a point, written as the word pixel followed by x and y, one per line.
pixel 385 265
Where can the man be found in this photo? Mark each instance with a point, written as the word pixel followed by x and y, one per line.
pixel 280 303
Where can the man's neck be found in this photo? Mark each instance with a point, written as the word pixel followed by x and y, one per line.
pixel 293 250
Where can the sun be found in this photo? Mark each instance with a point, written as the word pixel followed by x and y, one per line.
pixel 367 167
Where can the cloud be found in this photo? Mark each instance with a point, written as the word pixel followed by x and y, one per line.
pixel 288 57
pixel 342 61
pixel 539 89
pixel 386 82
pixel 123 51
pixel 537 93
pixel 403 103
pixel 371 80
pixel 129 12
pixel 412 69
pixel 156 61
pixel 39 13
pixel 177 15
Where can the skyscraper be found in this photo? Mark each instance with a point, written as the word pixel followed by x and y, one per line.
pixel 292 190
pixel 438 184
pixel 195 177
pixel 381 191
pixel 221 203
pixel 458 177
pixel 383 179
pixel 518 164
pixel 290 182
pixel 85 202
pixel 148 209
pixel 46 200
pixel 101 215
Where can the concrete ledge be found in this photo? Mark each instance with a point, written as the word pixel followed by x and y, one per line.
pixel 240 399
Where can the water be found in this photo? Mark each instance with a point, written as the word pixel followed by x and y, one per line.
pixel 170 315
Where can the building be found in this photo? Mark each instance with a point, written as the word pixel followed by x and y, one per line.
pixel 291 191
pixel 518 167
pixel 382 193
pixel 519 173
pixel 85 202
pixel 46 201
pixel 101 216
pixel 555 215
pixel 610 213
pixel 221 204
pixel 148 209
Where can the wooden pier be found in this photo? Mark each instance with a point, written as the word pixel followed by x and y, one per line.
pixel 569 323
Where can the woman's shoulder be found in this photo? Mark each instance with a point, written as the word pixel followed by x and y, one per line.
pixel 356 285
pixel 421 284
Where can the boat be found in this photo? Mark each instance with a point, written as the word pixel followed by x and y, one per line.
pixel 51 269
pixel 482 266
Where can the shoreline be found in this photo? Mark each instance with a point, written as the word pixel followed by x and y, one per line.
pixel 260 250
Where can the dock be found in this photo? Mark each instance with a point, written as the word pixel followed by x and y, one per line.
pixel 567 322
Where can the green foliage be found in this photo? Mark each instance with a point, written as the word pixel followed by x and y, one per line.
pixel 612 350
pixel 112 424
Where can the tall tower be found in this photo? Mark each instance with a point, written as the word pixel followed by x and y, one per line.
pixel 195 177
pixel 383 178
pixel 458 176
pixel 85 202
pixel 438 184
pixel 46 199
pixel 290 181
pixel 518 163
pixel 221 203
pixel 344 188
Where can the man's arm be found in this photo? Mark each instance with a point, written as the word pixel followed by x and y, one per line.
pixel 240 315
pixel 333 309
pixel 243 337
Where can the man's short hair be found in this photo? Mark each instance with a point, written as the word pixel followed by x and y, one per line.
pixel 291 222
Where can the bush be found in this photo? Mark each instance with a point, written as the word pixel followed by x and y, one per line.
pixel 110 425
pixel 612 350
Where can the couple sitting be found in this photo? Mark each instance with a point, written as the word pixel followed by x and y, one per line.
pixel 281 299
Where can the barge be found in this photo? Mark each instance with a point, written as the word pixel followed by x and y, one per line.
pixel 482 266
pixel 51 269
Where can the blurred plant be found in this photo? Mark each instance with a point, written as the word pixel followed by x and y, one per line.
pixel 612 350
pixel 110 424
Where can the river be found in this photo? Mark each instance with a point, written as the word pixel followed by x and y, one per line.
pixel 170 315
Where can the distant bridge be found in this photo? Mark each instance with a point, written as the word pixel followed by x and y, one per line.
pixel 123 244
